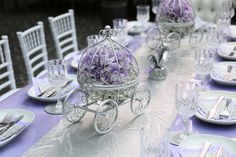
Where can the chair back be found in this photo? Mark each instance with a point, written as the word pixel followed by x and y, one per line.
pixel 64 33
pixel 207 10
pixel 7 78
pixel 33 46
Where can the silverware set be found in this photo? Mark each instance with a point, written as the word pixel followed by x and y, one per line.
pixel 223 115
pixel 205 148
pixel 51 91
pixel 8 127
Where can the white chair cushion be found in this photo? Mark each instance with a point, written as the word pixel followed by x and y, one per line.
pixel 207 9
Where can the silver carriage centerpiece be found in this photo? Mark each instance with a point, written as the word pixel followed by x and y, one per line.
pixel 176 16
pixel 108 77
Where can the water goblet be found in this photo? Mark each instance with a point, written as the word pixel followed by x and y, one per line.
pixel 92 39
pixel 203 64
pixel 155 6
pixel 143 16
pixel 152 144
pixel 214 37
pixel 186 97
pixel 57 78
pixel 120 25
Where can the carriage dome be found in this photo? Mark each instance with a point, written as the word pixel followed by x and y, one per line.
pixel 107 63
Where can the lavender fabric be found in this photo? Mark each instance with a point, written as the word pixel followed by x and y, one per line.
pixel 201 127
pixel 43 122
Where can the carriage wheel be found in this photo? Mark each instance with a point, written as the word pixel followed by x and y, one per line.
pixel 172 41
pixel 140 99
pixel 106 116
pixel 73 101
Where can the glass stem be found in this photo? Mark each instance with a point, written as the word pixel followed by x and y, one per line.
pixel 59 103
pixel 186 123
pixel 203 83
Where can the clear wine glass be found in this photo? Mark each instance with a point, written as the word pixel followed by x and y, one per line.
pixel 93 39
pixel 152 143
pixel 120 25
pixel 155 6
pixel 57 78
pixel 143 16
pixel 186 98
pixel 203 64
pixel 214 37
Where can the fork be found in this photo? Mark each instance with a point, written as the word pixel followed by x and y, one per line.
pixel 225 113
pixel 11 132
pixel 8 117
pixel 13 121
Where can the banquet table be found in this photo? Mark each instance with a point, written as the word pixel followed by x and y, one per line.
pixel 65 139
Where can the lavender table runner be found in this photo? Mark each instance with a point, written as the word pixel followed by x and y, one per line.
pixel 43 122
pixel 207 128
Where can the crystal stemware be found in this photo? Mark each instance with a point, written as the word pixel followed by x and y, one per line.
pixel 120 25
pixel 186 97
pixel 155 6
pixel 214 37
pixel 92 39
pixel 151 142
pixel 57 77
pixel 143 16
pixel 203 64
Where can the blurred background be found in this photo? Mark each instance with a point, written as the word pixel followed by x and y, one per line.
pixel 90 17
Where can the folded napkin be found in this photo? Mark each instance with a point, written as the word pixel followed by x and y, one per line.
pixel 40 85
pixel 206 104
pixel 185 152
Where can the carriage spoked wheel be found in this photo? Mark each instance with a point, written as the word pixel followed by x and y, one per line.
pixel 71 110
pixel 106 116
pixel 140 99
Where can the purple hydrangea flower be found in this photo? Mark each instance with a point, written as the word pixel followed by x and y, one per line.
pixel 176 11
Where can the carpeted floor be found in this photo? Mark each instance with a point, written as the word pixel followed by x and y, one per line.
pixel 10 23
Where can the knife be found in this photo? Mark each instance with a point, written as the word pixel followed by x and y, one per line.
pixel 206 146
pixel 51 90
pixel 220 152
pixel 212 111
pixel 12 131
pixel 227 74
pixel 11 123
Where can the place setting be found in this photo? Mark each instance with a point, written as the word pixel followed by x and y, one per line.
pixel 55 87
pixel 13 122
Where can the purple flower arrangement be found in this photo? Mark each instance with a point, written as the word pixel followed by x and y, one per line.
pixel 107 65
pixel 176 11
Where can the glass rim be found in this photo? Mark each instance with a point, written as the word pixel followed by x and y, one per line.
pixel 56 62
pixel 119 19
pixel 142 6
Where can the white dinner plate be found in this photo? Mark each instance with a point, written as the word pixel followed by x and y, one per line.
pixel 220 69
pixel 196 141
pixel 226 48
pixel 207 101
pixel 26 120
pixel 31 91
pixel 135 27
pixel 126 41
